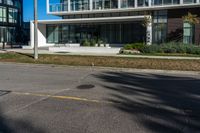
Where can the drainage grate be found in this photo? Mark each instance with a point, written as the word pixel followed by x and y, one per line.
pixel 86 86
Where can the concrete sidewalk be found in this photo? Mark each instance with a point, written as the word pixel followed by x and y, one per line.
pixel 46 51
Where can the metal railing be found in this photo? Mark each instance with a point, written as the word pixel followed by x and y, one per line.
pixel 61 7
pixel 58 7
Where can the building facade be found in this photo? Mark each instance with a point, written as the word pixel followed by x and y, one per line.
pixel 10 21
pixel 117 22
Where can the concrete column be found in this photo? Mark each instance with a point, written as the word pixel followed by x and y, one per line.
pixel 47 4
pixel 91 4
pixel 69 5
pixel 149 32
pixel 42 37
pixel 119 3
pixel 136 3
pixel 31 34
pixel 150 3
pixel 198 1
pixel 181 2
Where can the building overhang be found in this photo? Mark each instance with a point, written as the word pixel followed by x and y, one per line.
pixel 92 20
pixel 150 8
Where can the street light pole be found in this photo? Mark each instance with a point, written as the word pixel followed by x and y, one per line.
pixel 35 30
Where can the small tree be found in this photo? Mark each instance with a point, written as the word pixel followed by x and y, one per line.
pixel 191 18
pixel 189 21
pixel 146 22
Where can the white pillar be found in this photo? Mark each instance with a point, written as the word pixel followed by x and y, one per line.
pixel 31 34
pixel 150 3
pixel 47 4
pixel 69 5
pixel 119 3
pixel 90 4
pixel 149 32
pixel 181 2
pixel 136 3
pixel 198 1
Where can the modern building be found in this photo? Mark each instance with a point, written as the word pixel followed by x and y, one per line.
pixel 10 21
pixel 26 33
pixel 118 22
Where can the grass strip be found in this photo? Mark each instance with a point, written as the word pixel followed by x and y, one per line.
pixel 104 61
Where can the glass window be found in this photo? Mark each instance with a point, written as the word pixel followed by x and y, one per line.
pixel 127 3
pixel 12 15
pixel 79 5
pixel 189 1
pixel 10 34
pixel 159 26
pixel 167 2
pixel 157 2
pixel 3 14
pixel 18 4
pixel 10 2
pixel 143 3
pixel 2 34
pixel 105 4
pixel 52 34
pixel 188 33
pixel 176 1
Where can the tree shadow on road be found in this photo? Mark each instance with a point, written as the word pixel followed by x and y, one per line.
pixel 11 125
pixel 161 103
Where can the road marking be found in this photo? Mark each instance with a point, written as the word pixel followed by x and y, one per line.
pixel 60 97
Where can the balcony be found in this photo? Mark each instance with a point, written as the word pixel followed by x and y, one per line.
pixel 59 7
pixel 72 6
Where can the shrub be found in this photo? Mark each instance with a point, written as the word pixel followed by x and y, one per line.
pixel 181 49
pixel 99 42
pixel 191 49
pixel 92 42
pixel 134 46
pixel 85 43
pixel 168 48
pixel 152 49
pixel 172 47
pixel 128 47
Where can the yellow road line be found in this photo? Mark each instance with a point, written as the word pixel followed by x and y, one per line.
pixel 60 97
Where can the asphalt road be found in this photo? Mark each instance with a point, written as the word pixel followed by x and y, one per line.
pixel 53 99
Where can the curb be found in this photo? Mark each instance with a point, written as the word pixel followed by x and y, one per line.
pixel 96 68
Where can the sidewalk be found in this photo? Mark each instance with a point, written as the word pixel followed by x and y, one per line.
pixel 46 51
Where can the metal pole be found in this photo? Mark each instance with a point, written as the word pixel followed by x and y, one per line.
pixel 35 31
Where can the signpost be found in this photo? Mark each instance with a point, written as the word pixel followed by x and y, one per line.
pixel 35 31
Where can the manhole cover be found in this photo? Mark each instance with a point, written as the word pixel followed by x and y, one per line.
pixel 88 86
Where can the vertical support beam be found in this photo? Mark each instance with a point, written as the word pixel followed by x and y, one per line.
pixel 69 5
pixel 149 32
pixel 181 2
pixel 32 34
pixel 119 4
pixel 136 3
pixel 150 3
pixel 198 1
pixel 47 4
pixel 90 3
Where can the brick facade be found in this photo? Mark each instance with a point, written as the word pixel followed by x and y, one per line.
pixel 175 24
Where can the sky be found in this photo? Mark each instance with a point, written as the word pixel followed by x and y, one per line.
pixel 28 10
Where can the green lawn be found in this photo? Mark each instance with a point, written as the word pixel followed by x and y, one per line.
pixel 121 62
pixel 166 54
